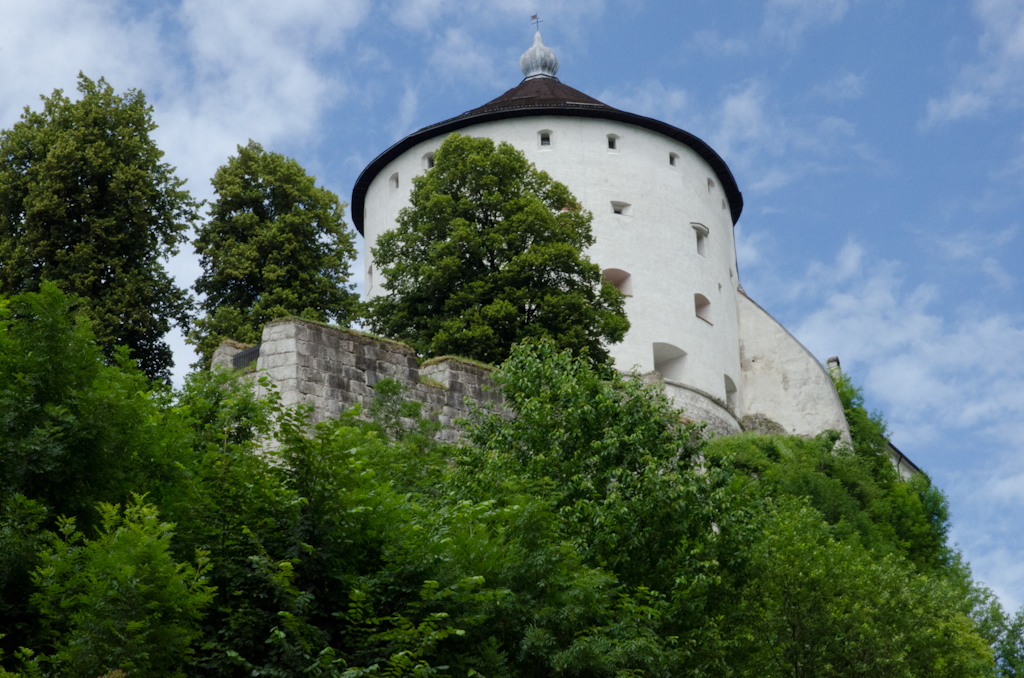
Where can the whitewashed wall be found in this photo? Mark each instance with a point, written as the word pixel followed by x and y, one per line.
pixel 654 241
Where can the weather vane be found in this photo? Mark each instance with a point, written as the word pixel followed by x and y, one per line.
pixel 536 22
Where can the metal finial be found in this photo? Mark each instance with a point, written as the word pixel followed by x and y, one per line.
pixel 536 22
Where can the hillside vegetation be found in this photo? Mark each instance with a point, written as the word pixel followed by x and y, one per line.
pixel 206 532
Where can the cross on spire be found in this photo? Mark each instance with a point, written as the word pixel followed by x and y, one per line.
pixel 536 22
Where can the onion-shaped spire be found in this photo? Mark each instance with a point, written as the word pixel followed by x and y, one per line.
pixel 538 61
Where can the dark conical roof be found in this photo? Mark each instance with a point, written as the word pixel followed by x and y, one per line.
pixel 538 92
pixel 544 95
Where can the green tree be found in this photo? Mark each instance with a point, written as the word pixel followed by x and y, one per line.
pixel 1010 647
pixel 275 245
pixel 74 431
pixel 820 607
pixel 119 601
pixel 489 253
pixel 85 202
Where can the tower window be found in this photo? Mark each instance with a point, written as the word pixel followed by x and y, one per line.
pixel 394 181
pixel 711 184
pixel 703 308
pixel 622 280
pixel 724 206
pixel 428 161
pixel 544 138
pixel 623 208
pixel 613 142
pixel 702 235
pixel 369 278
pixel 673 158
pixel 669 361
pixel 730 392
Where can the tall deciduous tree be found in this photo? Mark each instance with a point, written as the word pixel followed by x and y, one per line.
pixel 276 245
pixel 86 202
pixel 489 253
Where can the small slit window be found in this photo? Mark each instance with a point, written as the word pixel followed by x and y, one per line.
pixel 613 142
pixel 393 181
pixel 702 235
pixel 544 138
pixel 702 307
pixel 623 208
pixel 673 159
pixel 369 278
pixel 622 280
pixel 428 161
pixel 669 361
pixel 724 206
pixel 711 184
pixel 730 392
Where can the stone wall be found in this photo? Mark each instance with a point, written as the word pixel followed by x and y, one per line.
pixel 782 381
pixel 333 369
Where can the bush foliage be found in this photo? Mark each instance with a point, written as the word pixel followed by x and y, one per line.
pixel 210 532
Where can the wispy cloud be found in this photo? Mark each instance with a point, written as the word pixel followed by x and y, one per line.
pixel 712 43
pixel 458 56
pixel 843 88
pixel 787 20
pixel 948 380
pixel 651 98
pixel 996 76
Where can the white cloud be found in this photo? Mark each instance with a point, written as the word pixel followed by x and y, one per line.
pixel 787 20
pixel 936 371
pixel 44 44
pixel 996 76
pixel 459 57
pixel 216 74
pixel 948 380
pixel 425 15
pixel 710 42
pixel 652 99
pixel 847 87
pixel 406 113
pixel 976 250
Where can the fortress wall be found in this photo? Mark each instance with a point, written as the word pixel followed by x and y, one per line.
pixel 698 406
pixel 782 381
pixel 334 369
pixel 654 240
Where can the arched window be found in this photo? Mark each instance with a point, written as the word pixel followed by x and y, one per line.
pixel 622 280
pixel 613 142
pixel 623 208
pixel 711 184
pixel 673 159
pixel 394 181
pixel 669 361
pixel 702 235
pixel 428 160
pixel 703 308
pixel 730 392
pixel 544 139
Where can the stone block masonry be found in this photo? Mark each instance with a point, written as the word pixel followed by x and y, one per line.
pixel 334 369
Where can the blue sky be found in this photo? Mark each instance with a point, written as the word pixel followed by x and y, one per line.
pixel 878 143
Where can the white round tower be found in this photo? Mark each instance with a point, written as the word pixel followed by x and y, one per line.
pixel 664 206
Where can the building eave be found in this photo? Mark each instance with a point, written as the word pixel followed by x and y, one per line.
pixel 716 162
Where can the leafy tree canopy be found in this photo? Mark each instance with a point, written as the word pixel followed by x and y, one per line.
pixel 276 245
pixel 85 202
pixel 490 253
pixel 594 533
pixel 74 432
